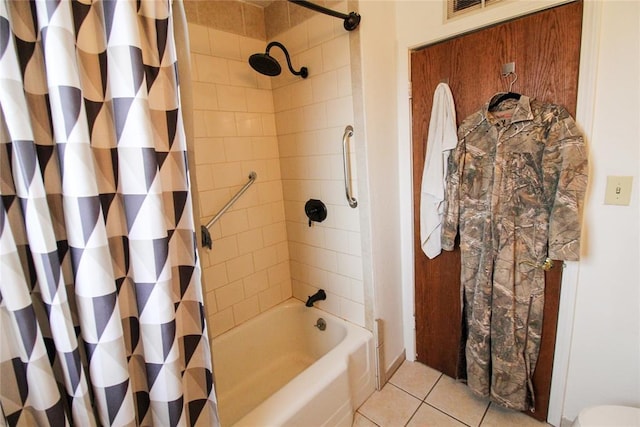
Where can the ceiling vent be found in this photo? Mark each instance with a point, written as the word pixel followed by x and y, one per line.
pixel 459 7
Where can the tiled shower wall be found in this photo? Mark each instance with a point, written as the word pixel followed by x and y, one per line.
pixel 247 271
pixel 289 131
pixel 311 115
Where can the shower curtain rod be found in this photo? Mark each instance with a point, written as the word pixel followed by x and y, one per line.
pixel 351 20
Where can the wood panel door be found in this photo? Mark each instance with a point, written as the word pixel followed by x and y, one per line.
pixel 545 47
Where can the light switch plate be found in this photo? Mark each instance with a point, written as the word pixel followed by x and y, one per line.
pixel 618 190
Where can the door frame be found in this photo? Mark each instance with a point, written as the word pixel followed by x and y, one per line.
pixel 592 13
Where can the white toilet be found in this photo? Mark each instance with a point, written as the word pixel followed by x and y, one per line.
pixel 608 416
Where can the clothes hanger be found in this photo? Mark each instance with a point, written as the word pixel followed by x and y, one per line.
pixel 508 95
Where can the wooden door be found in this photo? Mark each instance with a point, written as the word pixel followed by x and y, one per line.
pixel 545 48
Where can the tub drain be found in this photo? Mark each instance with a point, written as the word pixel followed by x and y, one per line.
pixel 321 324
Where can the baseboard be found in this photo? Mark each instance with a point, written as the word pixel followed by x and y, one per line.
pixel 565 422
pixel 395 365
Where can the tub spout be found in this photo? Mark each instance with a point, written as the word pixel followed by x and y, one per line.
pixel 318 296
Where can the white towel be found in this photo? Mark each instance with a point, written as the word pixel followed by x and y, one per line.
pixel 441 140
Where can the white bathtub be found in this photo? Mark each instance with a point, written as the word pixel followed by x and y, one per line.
pixel 278 369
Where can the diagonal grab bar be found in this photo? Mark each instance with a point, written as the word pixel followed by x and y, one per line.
pixel 252 178
pixel 348 133
pixel 204 230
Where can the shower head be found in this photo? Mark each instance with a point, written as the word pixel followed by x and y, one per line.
pixel 265 64
pixel 269 66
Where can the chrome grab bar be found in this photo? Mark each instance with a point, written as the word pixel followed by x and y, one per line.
pixel 252 178
pixel 204 229
pixel 348 133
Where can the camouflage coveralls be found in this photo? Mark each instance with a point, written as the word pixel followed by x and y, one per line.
pixel 515 187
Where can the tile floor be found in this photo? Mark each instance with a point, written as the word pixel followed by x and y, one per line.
pixel 417 395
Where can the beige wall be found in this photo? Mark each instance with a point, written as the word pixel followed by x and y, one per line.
pixel 236 17
pixel 604 362
pixel 247 271
pixel 289 130
pixel 311 115
pixel 282 15
pixel 251 20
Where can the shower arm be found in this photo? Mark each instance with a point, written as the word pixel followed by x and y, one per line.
pixel 351 20
pixel 303 71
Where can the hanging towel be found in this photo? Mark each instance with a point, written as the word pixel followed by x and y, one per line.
pixel 441 140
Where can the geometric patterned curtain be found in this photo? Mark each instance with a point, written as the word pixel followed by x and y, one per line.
pixel 101 308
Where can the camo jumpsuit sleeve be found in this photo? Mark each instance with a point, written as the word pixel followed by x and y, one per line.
pixel 452 196
pixel 565 180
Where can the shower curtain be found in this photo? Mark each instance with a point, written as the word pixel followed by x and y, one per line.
pixel 101 310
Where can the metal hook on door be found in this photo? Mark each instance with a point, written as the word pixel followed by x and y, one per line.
pixel 510 69
pixel 513 81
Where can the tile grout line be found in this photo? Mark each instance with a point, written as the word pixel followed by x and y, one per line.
pixel 484 414
pixel 486 411
pixel 448 415
pixel 405 391
pixel 433 387
pixel 424 401
pixel 443 412
pixel 367 418
pixel 409 394
pixel 414 414
pixel 421 399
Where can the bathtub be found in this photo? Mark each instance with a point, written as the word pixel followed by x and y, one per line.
pixel 279 369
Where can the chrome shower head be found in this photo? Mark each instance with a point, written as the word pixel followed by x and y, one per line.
pixel 269 66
